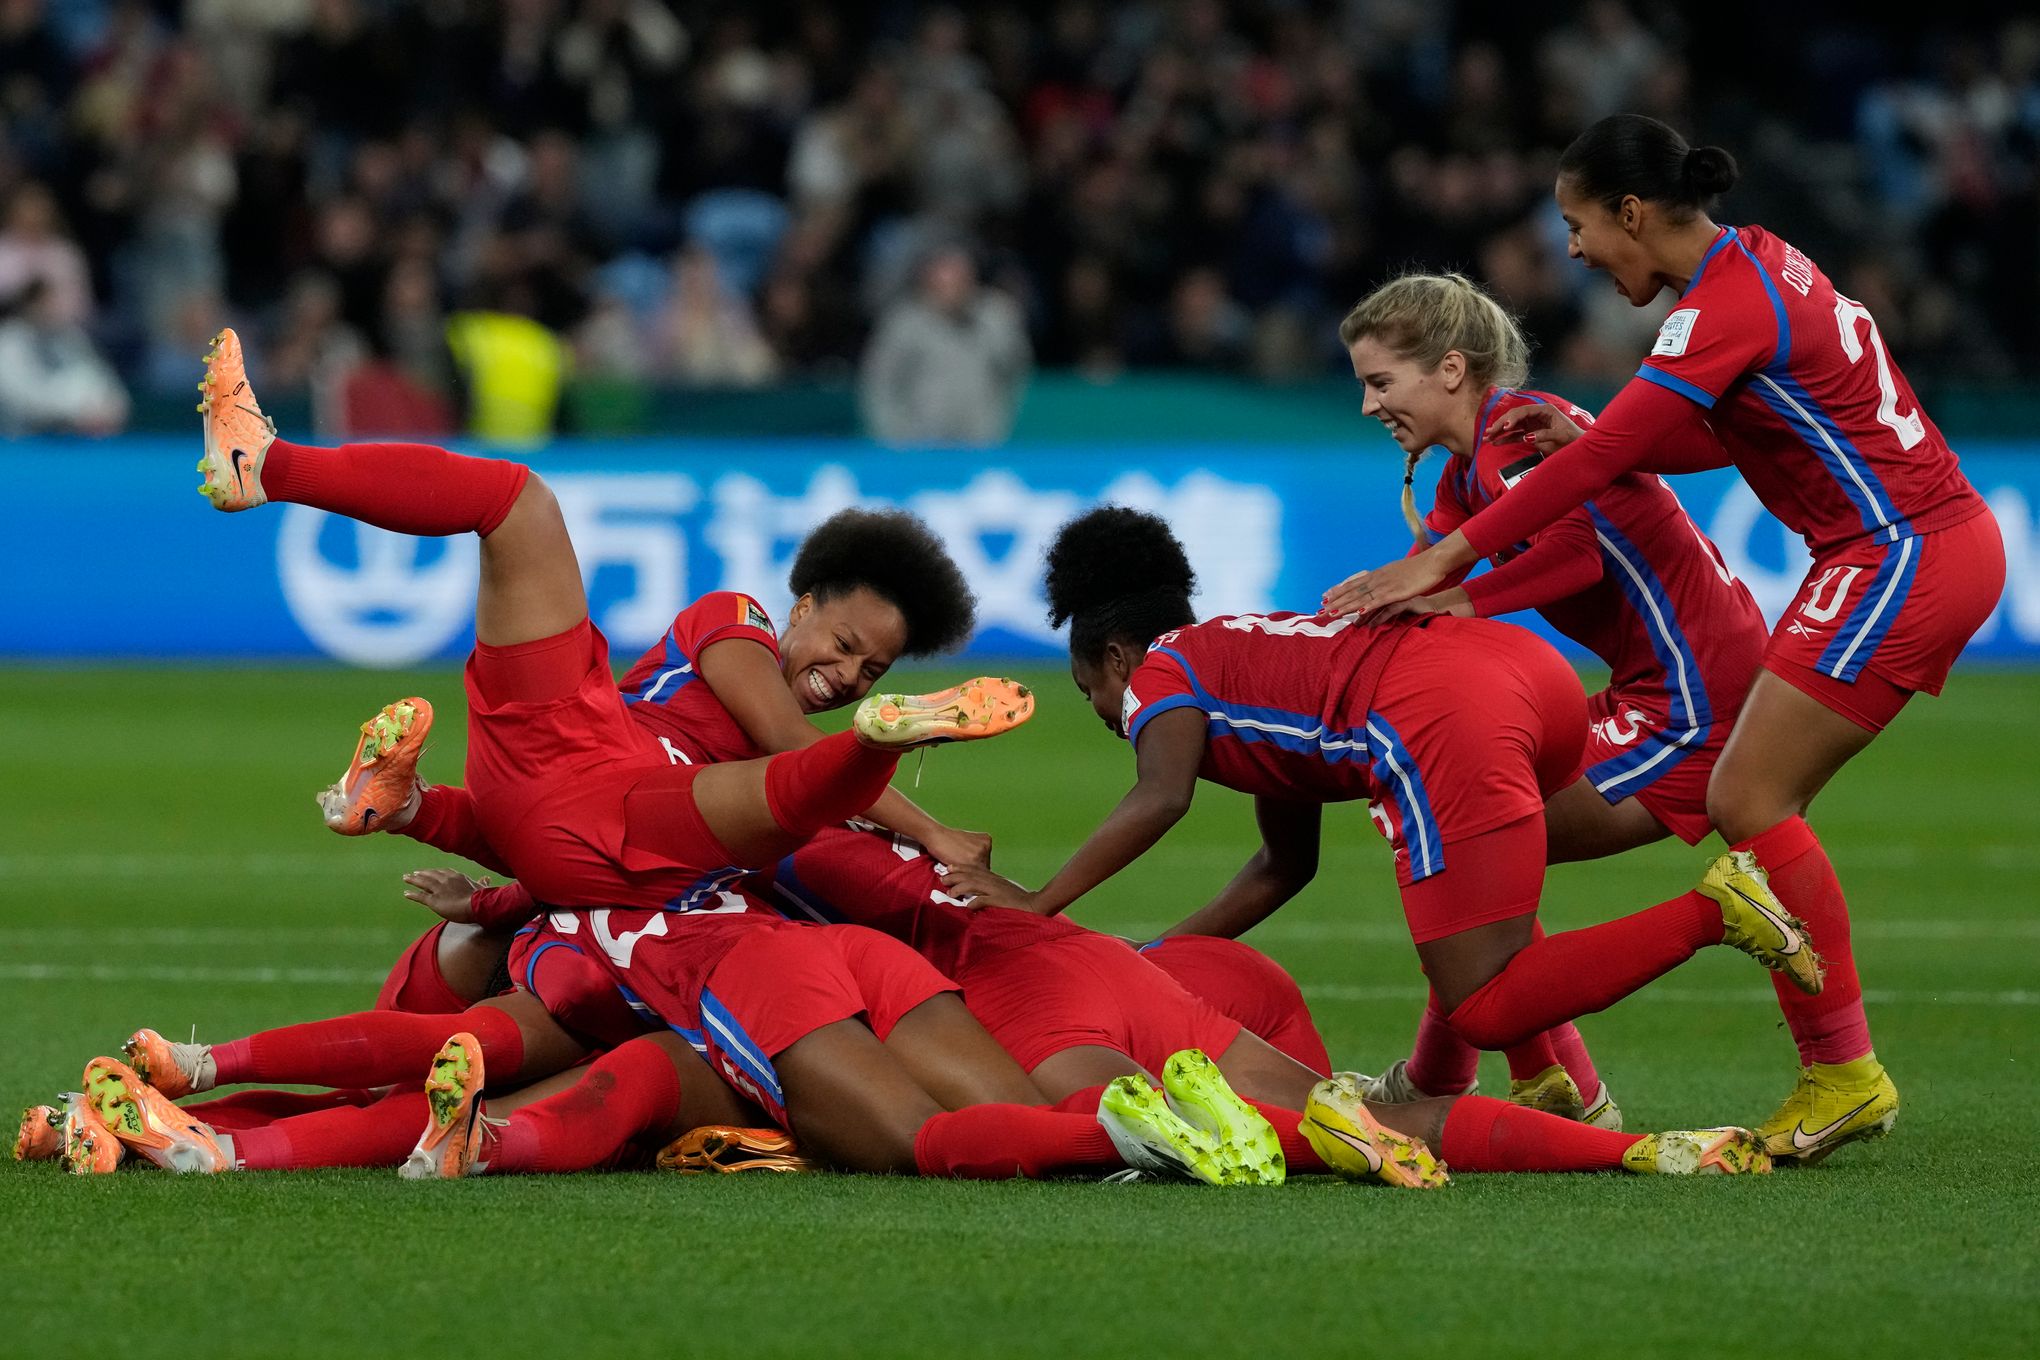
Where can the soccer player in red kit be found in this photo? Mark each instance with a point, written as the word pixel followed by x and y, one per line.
pixel 724 684
pixel 1795 381
pixel 1457 730
pixel 1628 576
pixel 583 803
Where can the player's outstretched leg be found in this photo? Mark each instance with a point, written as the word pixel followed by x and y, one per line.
pixel 531 582
pixel 763 810
pixel 1480 1133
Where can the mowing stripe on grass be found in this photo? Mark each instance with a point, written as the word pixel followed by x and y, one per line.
pixel 1322 991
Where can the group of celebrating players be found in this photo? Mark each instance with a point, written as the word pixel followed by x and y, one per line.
pixel 730 945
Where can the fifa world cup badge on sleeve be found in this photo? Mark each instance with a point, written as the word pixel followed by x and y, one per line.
pixel 1677 330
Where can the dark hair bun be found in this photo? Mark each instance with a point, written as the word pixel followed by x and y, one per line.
pixel 1110 554
pixel 1710 171
pixel 898 558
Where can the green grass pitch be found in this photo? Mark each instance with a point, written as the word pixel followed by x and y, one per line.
pixel 162 864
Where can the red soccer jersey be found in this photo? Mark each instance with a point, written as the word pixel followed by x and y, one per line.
pixel 665 693
pixel 1803 395
pixel 1664 612
pixel 1285 699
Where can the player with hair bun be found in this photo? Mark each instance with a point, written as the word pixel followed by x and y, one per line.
pixel 1628 576
pixel 1795 381
pixel 1457 730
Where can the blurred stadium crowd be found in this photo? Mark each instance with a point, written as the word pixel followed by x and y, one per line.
pixel 415 205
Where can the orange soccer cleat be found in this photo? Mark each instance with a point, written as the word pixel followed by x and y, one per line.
pixel 42 1134
pixel 174 1069
pixel 453 1090
pixel 145 1121
pixel 972 711
pixel 382 776
pixel 725 1149
pixel 237 434
pixel 89 1148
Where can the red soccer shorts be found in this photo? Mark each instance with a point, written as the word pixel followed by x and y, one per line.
pixel 1085 989
pixel 1247 985
pixel 415 985
pixel 1674 789
pixel 585 804
pixel 773 988
pixel 1480 729
pixel 1899 613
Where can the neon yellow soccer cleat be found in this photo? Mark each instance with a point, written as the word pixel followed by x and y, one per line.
pixel 1755 922
pixel 1197 1091
pixel 237 434
pixel 1155 1140
pixel 1833 1104
pixel 1698 1152
pixel 1337 1122
pixel 972 711
pixel 1553 1091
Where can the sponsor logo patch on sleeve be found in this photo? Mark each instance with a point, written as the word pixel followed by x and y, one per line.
pixel 757 618
pixel 1677 330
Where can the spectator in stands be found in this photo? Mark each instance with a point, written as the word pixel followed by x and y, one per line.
pixel 948 363
pixel 51 378
pixel 705 335
pixel 35 248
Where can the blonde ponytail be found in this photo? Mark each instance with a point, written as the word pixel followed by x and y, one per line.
pixel 1424 317
pixel 1409 499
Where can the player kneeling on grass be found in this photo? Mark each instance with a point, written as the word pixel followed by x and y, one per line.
pixel 1456 730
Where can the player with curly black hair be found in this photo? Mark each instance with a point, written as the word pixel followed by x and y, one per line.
pixel 1456 730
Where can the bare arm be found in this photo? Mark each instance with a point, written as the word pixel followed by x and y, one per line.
pixel 1279 870
pixel 1170 750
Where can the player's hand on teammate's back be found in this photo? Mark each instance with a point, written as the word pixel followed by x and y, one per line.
pixel 1365 592
pixel 1545 428
pixel 449 892
pixel 983 888
pixel 960 849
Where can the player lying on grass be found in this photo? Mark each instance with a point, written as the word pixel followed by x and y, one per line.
pixel 1456 730
pixel 1096 1007
pixel 1628 576
pixel 1908 563
pixel 1077 1007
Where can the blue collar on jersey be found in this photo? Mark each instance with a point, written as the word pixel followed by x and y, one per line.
pixel 1727 234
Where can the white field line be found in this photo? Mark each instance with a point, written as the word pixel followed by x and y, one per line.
pixel 126 973
pixel 1698 996
pixel 1327 991
pixel 170 863
pixel 1391 931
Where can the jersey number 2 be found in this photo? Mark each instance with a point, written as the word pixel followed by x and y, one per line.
pixel 1909 428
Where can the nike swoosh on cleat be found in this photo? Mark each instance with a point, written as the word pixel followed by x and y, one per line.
pixel 367 816
pixel 240 478
pixel 1802 1141
pixel 1786 934
pixel 1359 1145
